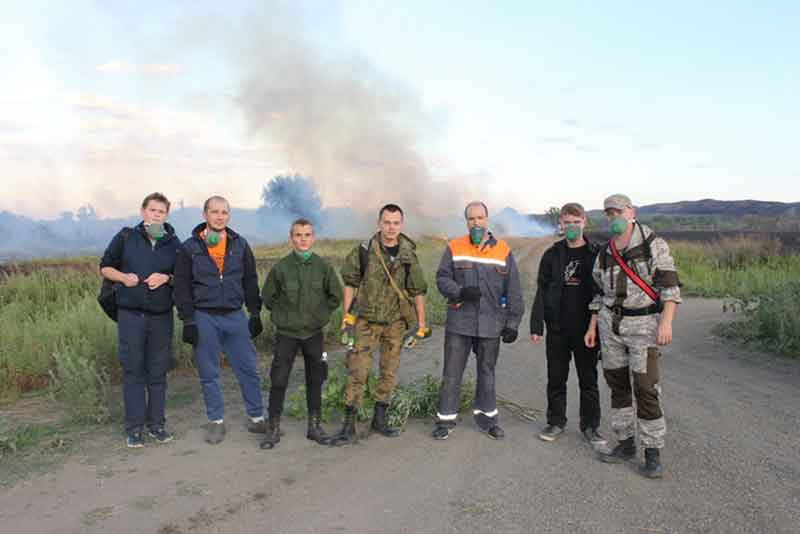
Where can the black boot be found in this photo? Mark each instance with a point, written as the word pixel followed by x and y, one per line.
pixel 624 451
pixel 315 431
pixel 348 432
pixel 273 435
pixel 380 423
pixel 652 468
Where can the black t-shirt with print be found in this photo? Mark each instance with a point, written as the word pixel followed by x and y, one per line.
pixel 577 272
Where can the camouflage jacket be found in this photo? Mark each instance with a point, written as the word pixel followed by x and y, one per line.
pixel 655 267
pixel 377 301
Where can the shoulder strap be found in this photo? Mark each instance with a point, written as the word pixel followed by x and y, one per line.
pixel 630 273
pixel 400 292
pixel 363 256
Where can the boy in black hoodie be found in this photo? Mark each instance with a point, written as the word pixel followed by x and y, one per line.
pixel 565 289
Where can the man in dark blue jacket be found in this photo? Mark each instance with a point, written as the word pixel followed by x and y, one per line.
pixel 140 261
pixel 215 274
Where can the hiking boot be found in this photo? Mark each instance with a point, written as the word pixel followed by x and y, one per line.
pixel 380 423
pixel 551 433
pixel 652 468
pixel 348 432
pixel 442 430
pixel 259 426
pixel 272 436
pixel 315 431
pixel 624 451
pixel 134 440
pixel 593 437
pixel 160 434
pixel 215 433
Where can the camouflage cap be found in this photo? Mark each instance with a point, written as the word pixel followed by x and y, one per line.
pixel 617 202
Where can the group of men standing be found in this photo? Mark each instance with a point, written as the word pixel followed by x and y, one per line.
pixel 212 275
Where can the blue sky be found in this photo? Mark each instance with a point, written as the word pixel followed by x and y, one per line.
pixel 530 104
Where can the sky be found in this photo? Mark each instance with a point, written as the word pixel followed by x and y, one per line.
pixel 524 104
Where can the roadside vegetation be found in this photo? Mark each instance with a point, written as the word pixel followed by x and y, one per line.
pixel 58 343
pixel 760 282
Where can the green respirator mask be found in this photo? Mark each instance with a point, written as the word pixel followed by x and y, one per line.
pixel 155 231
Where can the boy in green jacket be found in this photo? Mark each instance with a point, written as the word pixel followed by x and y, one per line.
pixel 301 291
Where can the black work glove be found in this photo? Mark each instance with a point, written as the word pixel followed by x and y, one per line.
pixel 469 294
pixel 255 326
pixel 509 335
pixel 190 333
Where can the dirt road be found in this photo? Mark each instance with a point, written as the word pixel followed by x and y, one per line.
pixel 732 464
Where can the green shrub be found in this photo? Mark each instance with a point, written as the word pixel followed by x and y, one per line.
pixel 771 320
pixel 82 386
pixel 418 399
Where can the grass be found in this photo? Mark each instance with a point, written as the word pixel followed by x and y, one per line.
pixel 757 279
pixel 55 336
pixel 417 399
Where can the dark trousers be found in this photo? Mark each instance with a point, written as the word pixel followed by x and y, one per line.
pixel 145 354
pixel 560 348
pixel 282 362
pixel 457 349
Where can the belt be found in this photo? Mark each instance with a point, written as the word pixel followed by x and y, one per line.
pixel 635 312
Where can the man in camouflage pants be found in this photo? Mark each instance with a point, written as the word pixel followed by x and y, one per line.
pixel 380 316
pixel 632 326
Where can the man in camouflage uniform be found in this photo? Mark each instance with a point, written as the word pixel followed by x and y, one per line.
pixel 380 315
pixel 632 326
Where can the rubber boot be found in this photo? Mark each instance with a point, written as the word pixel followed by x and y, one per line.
pixel 315 431
pixel 652 468
pixel 380 423
pixel 624 451
pixel 347 434
pixel 273 435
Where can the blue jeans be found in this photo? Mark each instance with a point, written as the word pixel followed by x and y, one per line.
pixel 145 353
pixel 227 333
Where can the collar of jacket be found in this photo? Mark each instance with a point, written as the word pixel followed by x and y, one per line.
pixel 202 226
pixel 406 243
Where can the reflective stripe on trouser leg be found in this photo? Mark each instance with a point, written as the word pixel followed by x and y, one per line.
pixel 456 353
pixel 486 352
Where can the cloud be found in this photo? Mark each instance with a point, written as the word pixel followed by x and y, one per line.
pixel 564 140
pixel 118 66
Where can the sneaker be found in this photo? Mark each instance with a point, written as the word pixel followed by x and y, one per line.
pixel 495 432
pixel 441 432
pixel 160 434
pixel 551 433
pixel 483 421
pixel 624 451
pixel 135 440
pixel 257 427
pixel 594 437
pixel 215 433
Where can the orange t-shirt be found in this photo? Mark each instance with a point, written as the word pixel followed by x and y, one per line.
pixel 218 253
